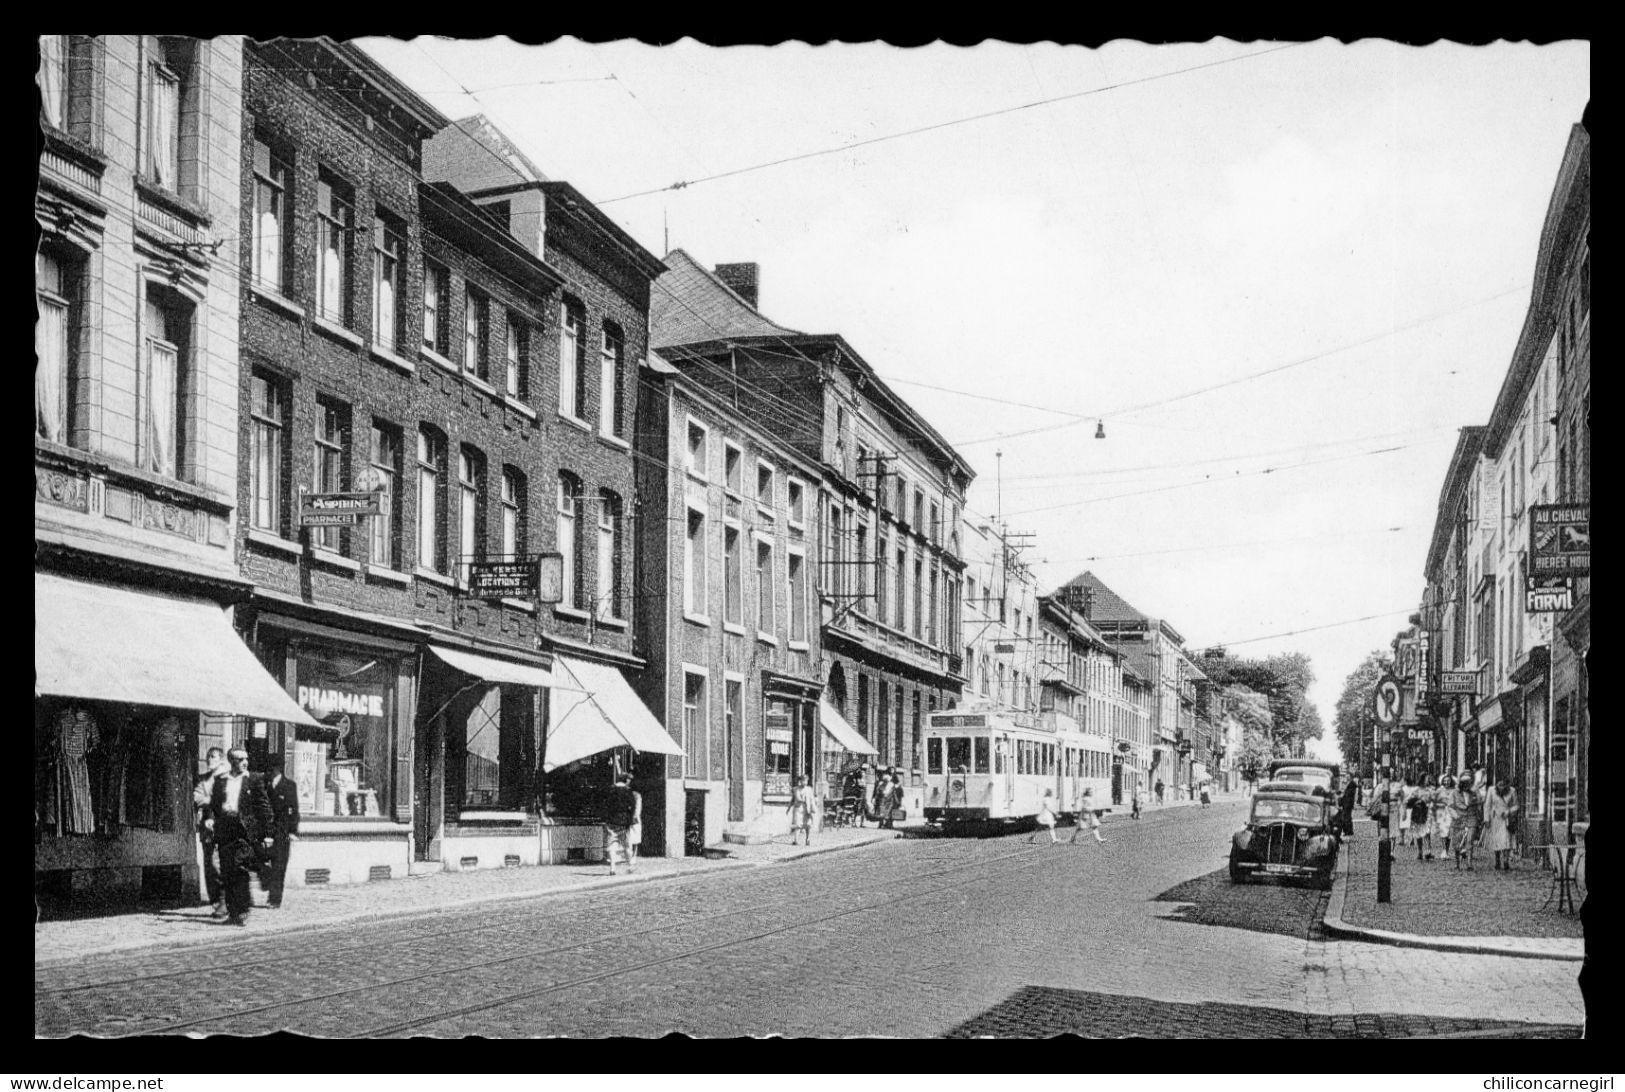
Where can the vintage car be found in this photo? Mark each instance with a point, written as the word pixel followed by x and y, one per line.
pixel 1307 769
pixel 1289 834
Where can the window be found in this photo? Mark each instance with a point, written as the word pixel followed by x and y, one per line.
pixel 470 494
pixel 882 585
pixel 936 525
pixel 900 510
pixel 166 355
pixel 353 692
pixel 477 334
pixel 796 580
pixel 327 465
pixel 900 599
pixel 697 455
pixel 863 579
pixel 53 79
pixel 270 227
pixel 386 479
pixel 431 514
pixel 610 592
pixel 931 633
pixel 513 514
pixel 611 383
pixel 572 360
pixel 834 552
pixel 491 758
pixel 388 247
pixel 268 411
pixel 518 351
pixel 694 601
pixel 435 280
pixel 58 286
pixel 919 598
pixel 764 587
pixel 733 607
pixel 919 512
pixel 695 743
pixel 569 543
pixel 335 217
pixel 732 473
pixel 764 488
pixel 166 68
pixel 796 501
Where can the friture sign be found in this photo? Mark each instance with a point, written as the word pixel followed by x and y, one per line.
pixel 1458 682
pixel 337 509
pixel 1548 594
pixel 1559 539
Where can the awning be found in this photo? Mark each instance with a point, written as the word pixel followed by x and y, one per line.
pixel 1489 714
pixel 117 644
pixel 840 731
pixel 593 709
pixel 493 670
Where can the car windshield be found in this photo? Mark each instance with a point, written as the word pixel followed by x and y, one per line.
pixel 1291 774
pixel 1305 810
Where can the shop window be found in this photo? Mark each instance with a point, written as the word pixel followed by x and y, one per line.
pixel 267 457
pixel 346 767
pixel 103 769
pixel 59 292
pixel 166 362
pixel 778 732
pixel 495 756
pixel 579 789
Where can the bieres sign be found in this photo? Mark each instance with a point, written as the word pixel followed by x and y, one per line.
pixel 1559 539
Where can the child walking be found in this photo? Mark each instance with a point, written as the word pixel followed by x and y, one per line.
pixel 1087 818
pixel 801 807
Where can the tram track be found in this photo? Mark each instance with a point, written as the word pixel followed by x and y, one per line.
pixel 415 1023
pixel 216 1019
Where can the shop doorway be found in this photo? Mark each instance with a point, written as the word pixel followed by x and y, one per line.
pixel 425 786
pixel 1117 782
pixel 693 822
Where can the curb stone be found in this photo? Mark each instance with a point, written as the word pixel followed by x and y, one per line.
pixel 1334 926
pixel 378 914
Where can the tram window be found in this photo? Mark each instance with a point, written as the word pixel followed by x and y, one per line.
pixel 1049 759
pixel 982 747
pixel 999 756
pixel 933 755
pixel 958 752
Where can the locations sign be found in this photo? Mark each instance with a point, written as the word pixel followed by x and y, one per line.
pixel 337 509
pixel 539 578
pixel 1548 594
pixel 1559 539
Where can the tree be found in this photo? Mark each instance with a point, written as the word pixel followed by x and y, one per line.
pixel 1252 709
pixel 1352 721
pixel 1283 680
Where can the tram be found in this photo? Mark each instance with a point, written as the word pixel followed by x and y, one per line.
pixel 987 768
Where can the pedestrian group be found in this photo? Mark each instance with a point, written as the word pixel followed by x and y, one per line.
pixel 1457 815
pixel 246 825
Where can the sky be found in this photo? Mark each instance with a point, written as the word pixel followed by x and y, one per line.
pixel 1279 276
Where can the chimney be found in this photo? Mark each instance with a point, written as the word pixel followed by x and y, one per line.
pixel 743 278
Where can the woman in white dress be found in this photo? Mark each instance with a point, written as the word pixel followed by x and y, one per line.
pixel 1400 806
pixel 1440 814
pixel 1500 814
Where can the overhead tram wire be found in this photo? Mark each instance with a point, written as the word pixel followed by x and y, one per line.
pixel 1237 380
pixel 795 421
pixel 1314 629
pixel 682 185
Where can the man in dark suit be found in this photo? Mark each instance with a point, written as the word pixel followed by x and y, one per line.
pixel 284 797
pixel 241 816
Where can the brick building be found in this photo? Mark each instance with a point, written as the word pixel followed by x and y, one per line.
pixel 400 342
pixel 1087 678
pixel 890 493
pixel 135 459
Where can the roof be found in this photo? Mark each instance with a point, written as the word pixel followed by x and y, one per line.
pixel 1469 443
pixel 459 220
pixel 1108 606
pixel 1569 208
pixel 690 304
pixel 475 155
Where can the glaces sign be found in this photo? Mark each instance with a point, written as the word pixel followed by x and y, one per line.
pixel 1559 540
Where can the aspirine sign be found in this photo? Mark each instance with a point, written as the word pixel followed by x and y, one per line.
pixel 1559 540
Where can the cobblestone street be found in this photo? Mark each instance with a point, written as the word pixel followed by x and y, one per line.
pixel 991 936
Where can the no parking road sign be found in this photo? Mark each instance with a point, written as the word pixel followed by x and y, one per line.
pixel 1386 700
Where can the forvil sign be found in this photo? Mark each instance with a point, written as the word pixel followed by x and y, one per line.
pixel 341 701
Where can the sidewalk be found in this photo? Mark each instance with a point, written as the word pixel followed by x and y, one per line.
pixel 1436 906
pixel 316 907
